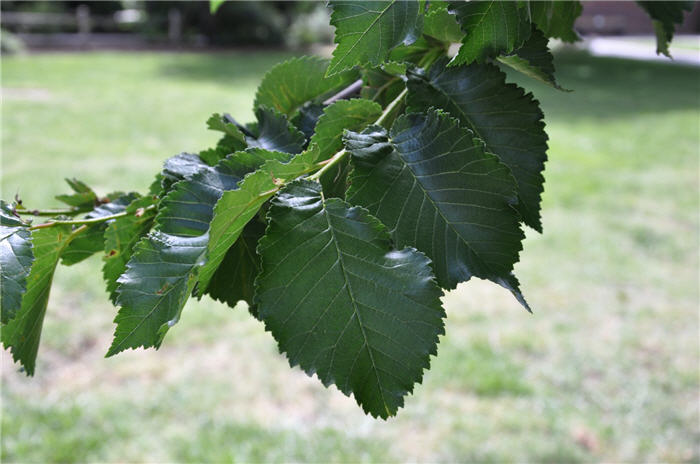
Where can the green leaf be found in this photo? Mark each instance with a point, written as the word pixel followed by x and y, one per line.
pixel 492 28
pixel 342 115
pixel 431 182
pixel 556 18
pixel 22 334
pixel 342 302
pixel 534 60
pixel 92 240
pixel 289 85
pixel 83 197
pixel 237 207
pixel 366 31
pixel 664 15
pixel 16 258
pixel 221 123
pixel 502 115
pixel 162 271
pixel 441 23
pixel 121 236
pixel 275 133
pixel 235 278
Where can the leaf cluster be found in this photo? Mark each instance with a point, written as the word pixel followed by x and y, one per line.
pixel 367 185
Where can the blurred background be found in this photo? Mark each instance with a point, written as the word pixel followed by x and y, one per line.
pixel 607 368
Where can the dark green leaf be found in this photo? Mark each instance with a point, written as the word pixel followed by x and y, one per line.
pixel 431 182
pixel 234 279
pixel 162 271
pixel 237 207
pixel 366 31
pixel 556 18
pixel 534 59
pixel 492 28
pixel 342 302
pixel 84 196
pixel 664 15
pixel 22 334
pixel 275 133
pixel 502 115
pixel 179 167
pixel 441 24
pixel 307 117
pixel 121 236
pixel 16 258
pixel 289 85
pixel 92 240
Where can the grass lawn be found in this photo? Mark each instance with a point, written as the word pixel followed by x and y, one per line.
pixel 605 369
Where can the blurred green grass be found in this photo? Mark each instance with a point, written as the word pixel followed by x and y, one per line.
pixel 605 370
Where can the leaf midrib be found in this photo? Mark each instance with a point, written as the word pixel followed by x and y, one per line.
pixel 362 36
pixel 353 300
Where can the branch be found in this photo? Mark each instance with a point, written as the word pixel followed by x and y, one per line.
pixel 91 221
pixel 346 92
pixel 53 212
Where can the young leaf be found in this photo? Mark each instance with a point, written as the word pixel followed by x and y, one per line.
pixel 556 18
pixel 92 240
pixel 366 31
pixel 22 334
pixel 84 196
pixel 342 115
pixel 441 23
pixel 163 270
pixel 534 59
pixel 121 236
pixel 664 15
pixel 289 85
pixel 502 115
pixel 352 114
pixel 431 182
pixel 16 258
pixel 235 278
pixel 275 133
pixel 342 302
pixel 237 207
pixel 492 28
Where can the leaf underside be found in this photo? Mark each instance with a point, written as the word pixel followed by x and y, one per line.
pixel 342 303
pixel 665 15
pixel 534 60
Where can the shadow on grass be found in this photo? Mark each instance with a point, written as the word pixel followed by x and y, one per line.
pixel 223 67
pixel 605 88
